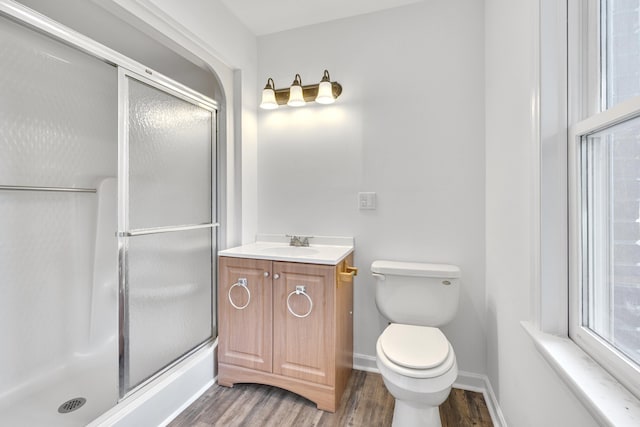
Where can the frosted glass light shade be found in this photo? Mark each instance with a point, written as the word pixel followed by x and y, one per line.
pixel 296 99
pixel 325 93
pixel 268 99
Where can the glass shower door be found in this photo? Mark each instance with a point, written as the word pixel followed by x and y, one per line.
pixel 166 223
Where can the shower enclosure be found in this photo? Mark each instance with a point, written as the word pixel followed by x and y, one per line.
pixel 107 225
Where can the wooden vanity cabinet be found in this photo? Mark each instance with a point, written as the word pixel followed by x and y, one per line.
pixel 308 350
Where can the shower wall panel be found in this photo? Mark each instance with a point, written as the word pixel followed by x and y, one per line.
pixel 58 128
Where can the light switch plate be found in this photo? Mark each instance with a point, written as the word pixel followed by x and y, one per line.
pixel 367 201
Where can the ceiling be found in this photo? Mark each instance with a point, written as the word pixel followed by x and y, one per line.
pixel 271 16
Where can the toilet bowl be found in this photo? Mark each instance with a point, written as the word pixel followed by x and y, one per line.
pixel 416 361
pixel 418 367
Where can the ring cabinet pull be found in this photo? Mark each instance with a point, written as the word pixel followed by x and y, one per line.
pixel 243 283
pixel 300 290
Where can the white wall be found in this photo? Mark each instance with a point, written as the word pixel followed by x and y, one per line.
pixel 409 126
pixel 529 391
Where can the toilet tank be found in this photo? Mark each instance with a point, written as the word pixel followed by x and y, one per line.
pixel 417 293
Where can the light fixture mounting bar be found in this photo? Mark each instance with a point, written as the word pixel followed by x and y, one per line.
pixel 309 92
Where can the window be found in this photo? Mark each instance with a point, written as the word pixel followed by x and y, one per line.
pixel 604 176
pixel 620 50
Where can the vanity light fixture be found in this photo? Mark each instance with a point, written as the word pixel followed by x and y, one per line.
pixel 297 95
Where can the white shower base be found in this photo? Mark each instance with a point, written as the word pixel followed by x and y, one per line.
pixel 95 379
pixel 91 376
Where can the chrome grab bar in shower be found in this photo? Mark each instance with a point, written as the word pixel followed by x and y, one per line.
pixel 56 189
pixel 157 230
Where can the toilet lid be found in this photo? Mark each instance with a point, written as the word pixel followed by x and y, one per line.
pixel 415 347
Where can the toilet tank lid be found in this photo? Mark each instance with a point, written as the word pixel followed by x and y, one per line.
pixel 418 269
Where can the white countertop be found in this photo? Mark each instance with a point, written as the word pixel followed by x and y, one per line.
pixel 321 250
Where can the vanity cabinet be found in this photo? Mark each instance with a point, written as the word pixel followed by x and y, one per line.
pixel 286 324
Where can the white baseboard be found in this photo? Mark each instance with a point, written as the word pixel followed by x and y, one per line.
pixel 364 362
pixel 471 382
pixel 480 383
pixel 466 381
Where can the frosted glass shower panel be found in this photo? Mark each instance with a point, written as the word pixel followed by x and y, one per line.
pixel 170 298
pixel 169 159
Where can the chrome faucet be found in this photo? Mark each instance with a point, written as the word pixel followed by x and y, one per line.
pixel 299 241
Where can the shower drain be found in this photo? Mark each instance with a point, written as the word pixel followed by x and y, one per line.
pixel 71 405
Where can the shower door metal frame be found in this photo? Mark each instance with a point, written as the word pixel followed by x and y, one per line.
pixel 124 232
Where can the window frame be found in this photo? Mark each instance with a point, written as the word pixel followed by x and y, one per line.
pixel 587 115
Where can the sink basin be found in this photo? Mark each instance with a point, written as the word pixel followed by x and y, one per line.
pixel 293 251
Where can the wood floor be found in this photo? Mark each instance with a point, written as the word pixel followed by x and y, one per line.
pixel 365 403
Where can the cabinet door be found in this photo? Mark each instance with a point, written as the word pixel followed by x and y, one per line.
pixel 303 345
pixel 245 337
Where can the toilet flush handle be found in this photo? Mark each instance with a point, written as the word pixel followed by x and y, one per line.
pixel 379 276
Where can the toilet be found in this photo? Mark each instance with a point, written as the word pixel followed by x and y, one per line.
pixel 417 362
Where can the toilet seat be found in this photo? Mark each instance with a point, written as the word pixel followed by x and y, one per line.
pixel 416 351
pixel 414 347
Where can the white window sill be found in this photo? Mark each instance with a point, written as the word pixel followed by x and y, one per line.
pixel 605 398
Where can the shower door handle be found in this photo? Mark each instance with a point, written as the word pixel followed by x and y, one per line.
pixel 157 230
pixel 54 189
